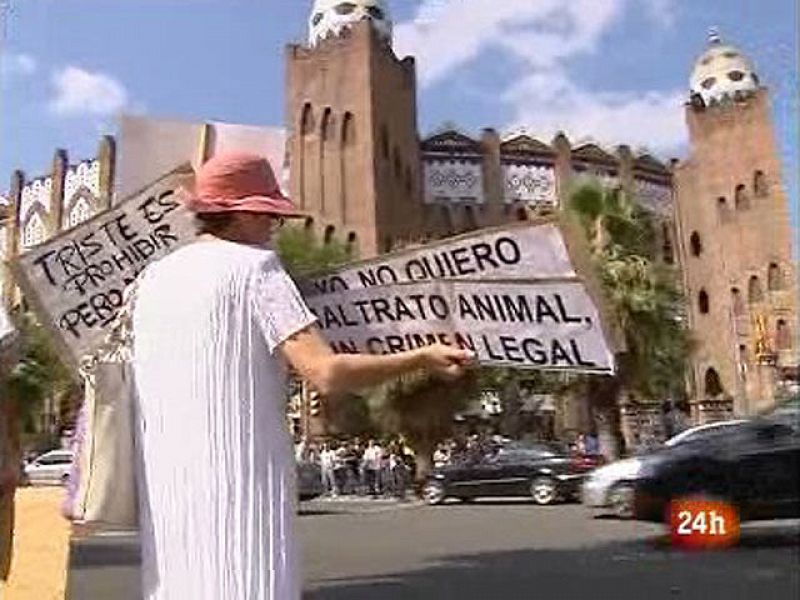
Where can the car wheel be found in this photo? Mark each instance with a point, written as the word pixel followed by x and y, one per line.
pixel 620 500
pixel 433 493
pixel 544 490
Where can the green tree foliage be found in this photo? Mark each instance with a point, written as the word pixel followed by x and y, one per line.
pixel 38 374
pixel 642 291
pixel 305 256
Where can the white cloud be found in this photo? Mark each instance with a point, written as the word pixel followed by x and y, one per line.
pixel 446 34
pixel 17 64
pixel 663 12
pixel 548 102
pixel 81 92
pixel 544 36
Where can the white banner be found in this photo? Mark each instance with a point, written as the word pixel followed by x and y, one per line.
pixel 76 279
pixel 550 325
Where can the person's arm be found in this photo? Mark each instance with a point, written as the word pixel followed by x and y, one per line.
pixel 332 373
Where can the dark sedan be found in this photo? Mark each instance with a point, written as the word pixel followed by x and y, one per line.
pixel 755 467
pixel 542 473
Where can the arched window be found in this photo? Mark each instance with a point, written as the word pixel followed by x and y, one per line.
pixel 326 136
pixel 348 129
pixel 325 128
pixel 330 230
pixel 522 213
pixel 722 210
pixel 306 128
pixel 783 337
pixel 760 187
pixel 306 119
pixel 754 291
pixel 774 278
pixel 352 243
pixel 346 158
pixel 696 244
pixel 308 225
pixel 740 198
pixel 738 302
pixel 702 302
pixel 713 385
pixel 388 243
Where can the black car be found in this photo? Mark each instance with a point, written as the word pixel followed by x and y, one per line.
pixel 755 467
pixel 544 473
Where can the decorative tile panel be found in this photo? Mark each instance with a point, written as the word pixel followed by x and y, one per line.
pixel 531 184
pixel 453 181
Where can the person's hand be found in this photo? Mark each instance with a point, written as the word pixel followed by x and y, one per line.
pixel 445 361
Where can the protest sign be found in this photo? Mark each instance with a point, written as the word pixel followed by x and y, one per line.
pixel 550 324
pixel 507 274
pixel 76 279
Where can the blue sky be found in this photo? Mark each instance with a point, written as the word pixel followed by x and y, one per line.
pixel 613 70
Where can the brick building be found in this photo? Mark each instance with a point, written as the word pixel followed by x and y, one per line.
pixel 359 166
pixel 735 239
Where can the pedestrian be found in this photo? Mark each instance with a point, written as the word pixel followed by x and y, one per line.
pixel 353 462
pixel 340 467
pixel 372 467
pixel 398 471
pixel 216 326
pixel 328 470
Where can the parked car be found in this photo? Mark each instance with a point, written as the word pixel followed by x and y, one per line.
pixel 755 467
pixel 51 468
pixel 610 487
pixel 541 472
pixel 309 481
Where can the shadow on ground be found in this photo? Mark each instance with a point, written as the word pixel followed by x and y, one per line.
pixel 764 565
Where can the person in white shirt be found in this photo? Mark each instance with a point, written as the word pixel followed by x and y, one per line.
pixel 328 466
pixel 372 466
pixel 217 324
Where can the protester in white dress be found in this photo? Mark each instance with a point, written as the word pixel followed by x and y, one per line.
pixel 213 323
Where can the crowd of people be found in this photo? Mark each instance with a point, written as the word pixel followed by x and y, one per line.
pixel 351 467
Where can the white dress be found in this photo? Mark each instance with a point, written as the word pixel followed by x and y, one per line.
pixel 217 475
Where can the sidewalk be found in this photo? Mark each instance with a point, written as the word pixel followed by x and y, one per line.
pixel 41 544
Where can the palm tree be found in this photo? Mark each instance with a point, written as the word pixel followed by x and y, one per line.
pixel 644 298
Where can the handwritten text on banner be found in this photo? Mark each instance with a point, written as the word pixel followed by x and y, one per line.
pixel 78 278
pixel 550 325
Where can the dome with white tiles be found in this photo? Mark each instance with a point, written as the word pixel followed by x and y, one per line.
pixel 329 18
pixel 721 72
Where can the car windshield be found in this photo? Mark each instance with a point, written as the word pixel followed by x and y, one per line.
pixel 700 433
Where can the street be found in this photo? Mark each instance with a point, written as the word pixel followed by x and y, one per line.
pixel 491 549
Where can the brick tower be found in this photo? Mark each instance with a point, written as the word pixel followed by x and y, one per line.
pixel 351 116
pixel 735 240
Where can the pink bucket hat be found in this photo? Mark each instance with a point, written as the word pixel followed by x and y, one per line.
pixel 238 182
